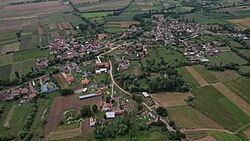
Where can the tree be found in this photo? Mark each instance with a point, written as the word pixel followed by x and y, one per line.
pixel 139 107
pixel 17 74
pixel 67 92
pixel 94 108
pixel 162 111
pixel 86 111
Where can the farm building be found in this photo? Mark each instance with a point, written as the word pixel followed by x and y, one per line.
pixel 103 64
pixel 44 89
pixel 110 114
pixel 87 96
pixel 145 94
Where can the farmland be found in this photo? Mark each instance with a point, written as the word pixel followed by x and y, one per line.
pixel 227 57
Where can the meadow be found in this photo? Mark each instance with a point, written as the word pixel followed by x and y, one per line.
pixel 206 74
pixel 226 58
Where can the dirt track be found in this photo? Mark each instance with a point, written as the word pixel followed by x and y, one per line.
pixel 196 76
pixel 233 97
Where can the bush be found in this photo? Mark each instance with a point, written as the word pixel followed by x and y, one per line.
pixel 162 111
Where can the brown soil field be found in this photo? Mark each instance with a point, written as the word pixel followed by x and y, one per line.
pixel 52 26
pixel 188 117
pixel 248 134
pixel 63 103
pixel 226 75
pixel 61 81
pixel 106 5
pixel 82 1
pixel 233 97
pixel 245 23
pixel 85 128
pixel 207 138
pixel 196 76
pixel 66 25
pixel 123 24
pixel 6 123
pixel 170 99
pixel 101 36
pixel 32 9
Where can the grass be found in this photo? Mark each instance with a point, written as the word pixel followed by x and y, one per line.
pixel 245 69
pixel 188 77
pixel 29 54
pixel 240 86
pixel 227 57
pixel 213 104
pixel 207 75
pixel 182 9
pixel 96 14
pixel 22 67
pixel 5 71
pixel 114 29
pixel 246 52
pixel 222 136
pixel 6 59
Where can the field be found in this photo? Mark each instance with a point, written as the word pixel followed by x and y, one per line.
pixel 221 136
pixel 188 77
pixel 104 5
pixel 226 75
pixel 31 9
pixel 245 69
pixel 29 54
pixel 5 71
pixel 122 24
pixel 22 67
pixel 245 52
pixel 182 9
pixel 207 75
pixel 241 22
pixel 6 59
pixel 227 57
pixel 188 117
pixel 96 14
pixel 196 76
pixel 240 86
pixel 171 99
pixel 211 102
pixel 61 104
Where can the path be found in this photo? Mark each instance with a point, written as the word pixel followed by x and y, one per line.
pixel 238 101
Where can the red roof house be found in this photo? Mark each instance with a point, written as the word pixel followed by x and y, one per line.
pixel 31 96
pixel 85 81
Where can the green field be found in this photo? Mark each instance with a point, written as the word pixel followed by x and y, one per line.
pixel 245 69
pixel 245 52
pixel 182 9
pixel 5 71
pixel 6 59
pixel 188 78
pixel 227 57
pixel 206 74
pixel 96 14
pixel 22 67
pixel 222 136
pixel 241 87
pixel 212 103
pixel 29 54
pixel 114 29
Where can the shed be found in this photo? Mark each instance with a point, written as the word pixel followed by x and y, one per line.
pixel 145 94
pixel 110 114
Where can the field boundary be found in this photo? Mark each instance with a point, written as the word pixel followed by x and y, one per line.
pixel 196 76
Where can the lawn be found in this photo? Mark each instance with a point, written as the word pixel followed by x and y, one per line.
pixel 216 106
pixel 29 54
pixel 206 74
pixel 227 57
pixel 240 86
pixel 188 78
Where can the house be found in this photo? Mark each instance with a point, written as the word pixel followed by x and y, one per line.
pixel 103 64
pixel 85 81
pixel 92 121
pixel 98 92
pixel 110 114
pixel 24 91
pixel 101 70
pixel 31 96
pixel 107 106
pixel 63 69
pixel 145 94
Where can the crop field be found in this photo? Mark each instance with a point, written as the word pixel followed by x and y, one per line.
pixel 227 57
pixel 22 67
pixel 183 9
pixel 168 99
pixel 198 136
pixel 29 54
pixel 196 76
pixel 206 74
pixel 77 2
pixel 6 59
pixel 241 87
pixel 246 52
pixel 5 71
pixel 245 23
pixel 245 69
pixel 104 5
pixel 114 29
pixel 96 14
pixel 188 77
pixel 226 75
pixel 188 117
pixel 222 136
pixel 211 102
pixel 31 9
pixel 122 24
pixel 61 104
pixel 10 48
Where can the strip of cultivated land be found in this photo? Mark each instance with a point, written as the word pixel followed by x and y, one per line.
pixel 233 97
pixel 196 76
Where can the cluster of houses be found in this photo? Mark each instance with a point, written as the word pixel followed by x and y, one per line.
pixel 68 49
pixel 42 85
pixel 42 62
